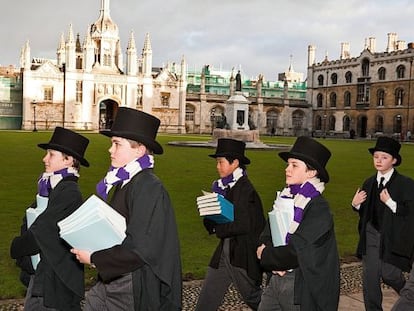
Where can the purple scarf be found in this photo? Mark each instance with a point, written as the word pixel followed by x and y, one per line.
pixel 48 181
pixel 221 185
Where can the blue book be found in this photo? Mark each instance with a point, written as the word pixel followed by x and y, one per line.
pixel 215 207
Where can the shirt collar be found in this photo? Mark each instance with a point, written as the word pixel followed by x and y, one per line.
pixel 386 176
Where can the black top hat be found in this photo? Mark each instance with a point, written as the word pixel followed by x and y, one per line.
pixel 68 142
pixel 388 145
pixel 312 153
pixel 227 147
pixel 136 125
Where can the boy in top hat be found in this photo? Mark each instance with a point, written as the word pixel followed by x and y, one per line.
pixel 58 281
pixel 305 271
pixel 385 243
pixel 144 271
pixel 234 260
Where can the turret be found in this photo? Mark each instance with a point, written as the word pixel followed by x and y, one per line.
pixel 147 57
pixel 132 62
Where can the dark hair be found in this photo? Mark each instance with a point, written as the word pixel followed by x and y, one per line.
pixel 231 159
pixel 76 163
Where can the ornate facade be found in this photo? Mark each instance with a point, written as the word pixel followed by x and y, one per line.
pixel 368 95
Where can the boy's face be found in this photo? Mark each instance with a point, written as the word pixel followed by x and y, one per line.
pixel 383 162
pixel 224 167
pixel 297 172
pixel 122 152
pixel 55 160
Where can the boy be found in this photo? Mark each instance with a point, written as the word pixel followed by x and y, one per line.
pixel 58 282
pixel 234 260
pixel 305 271
pixel 385 243
pixel 144 271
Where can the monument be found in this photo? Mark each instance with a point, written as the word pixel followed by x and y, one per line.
pixel 237 117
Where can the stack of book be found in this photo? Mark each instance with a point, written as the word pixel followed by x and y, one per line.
pixel 215 207
pixel 93 226
pixel 280 219
pixel 31 215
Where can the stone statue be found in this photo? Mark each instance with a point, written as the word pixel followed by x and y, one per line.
pixel 238 82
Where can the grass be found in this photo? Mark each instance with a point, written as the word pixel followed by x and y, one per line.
pixel 184 171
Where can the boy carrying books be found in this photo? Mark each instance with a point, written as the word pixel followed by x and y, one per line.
pixel 234 260
pixel 143 272
pixel 305 270
pixel 58 281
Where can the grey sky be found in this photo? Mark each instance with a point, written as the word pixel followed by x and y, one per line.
pixel 258 36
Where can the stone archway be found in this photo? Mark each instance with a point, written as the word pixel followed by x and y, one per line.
pixel 107 112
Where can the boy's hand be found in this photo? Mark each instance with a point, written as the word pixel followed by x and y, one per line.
pixel 359 197
pixel 384 195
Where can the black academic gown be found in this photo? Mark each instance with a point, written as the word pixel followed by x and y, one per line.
pixel 397 233
pixel 59 277
pixel 313 253
pixel 151 250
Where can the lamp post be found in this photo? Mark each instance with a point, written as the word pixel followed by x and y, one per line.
pixel 212 117
pixel 34 116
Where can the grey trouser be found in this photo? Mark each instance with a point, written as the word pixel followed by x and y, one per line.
pixel 116 295
pixel 217 282
pixel 406 300
pixel 374 269
pixel 34 303
pixel 279 294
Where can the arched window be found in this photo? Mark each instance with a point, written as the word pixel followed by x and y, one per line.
pixel 399 97
pixel 334 78
pixel 189 112
pixel 319 100
pixel 346 123
pixel 332 122
pixel 379 124
pixel 318 123
pixel 348 77
pixel 380 97
pixel 400 72
pixel 332 99
pixel 397 124
pixel 365 67
pixel 381 73
pixel 271 119
pixel 297 119
pixel 320 80
pixel 347 99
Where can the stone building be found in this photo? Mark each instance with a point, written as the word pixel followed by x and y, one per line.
pixel 367 95
pixel 89 79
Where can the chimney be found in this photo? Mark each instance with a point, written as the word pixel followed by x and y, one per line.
pixel 311 55
pixel 371 44
pixel 401 44
pixel 410 45
pixel 392 38
pixel 345 54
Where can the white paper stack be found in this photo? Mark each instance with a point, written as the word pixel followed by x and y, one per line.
pixel 215 207
pixel 93 226
pixel 280 219
pixel 31 215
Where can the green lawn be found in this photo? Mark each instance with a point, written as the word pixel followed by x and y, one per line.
pixel 184 171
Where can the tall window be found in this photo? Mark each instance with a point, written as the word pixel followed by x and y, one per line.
pixel 319 100
pixel 346 123
pixel 271 119
pixel 381 97
pixel 334 78
pixel 400 72
pixel 332 99
pixel 399 96
pixel 318 123
pixel 348 77
pixel 365 67
pixel 397 123
pixel 347 99
pixel 381 73
pixel 189 113
pixel 332 122
pixel 48 93
pixel 320 80
pixel 297 119
pixel 79 91
pixel 363 93
pixel 379 124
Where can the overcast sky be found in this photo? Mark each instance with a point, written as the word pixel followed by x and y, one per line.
pixel 257 36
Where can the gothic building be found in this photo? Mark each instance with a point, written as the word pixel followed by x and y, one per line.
pixel 89 79
pixel 87 83
pixel 368 95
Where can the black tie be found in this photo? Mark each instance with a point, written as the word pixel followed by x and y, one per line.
pixel 381 184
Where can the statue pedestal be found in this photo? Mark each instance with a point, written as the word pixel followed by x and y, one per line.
pixel 251 136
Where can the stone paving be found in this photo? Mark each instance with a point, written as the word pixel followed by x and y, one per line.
pixel 351 283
